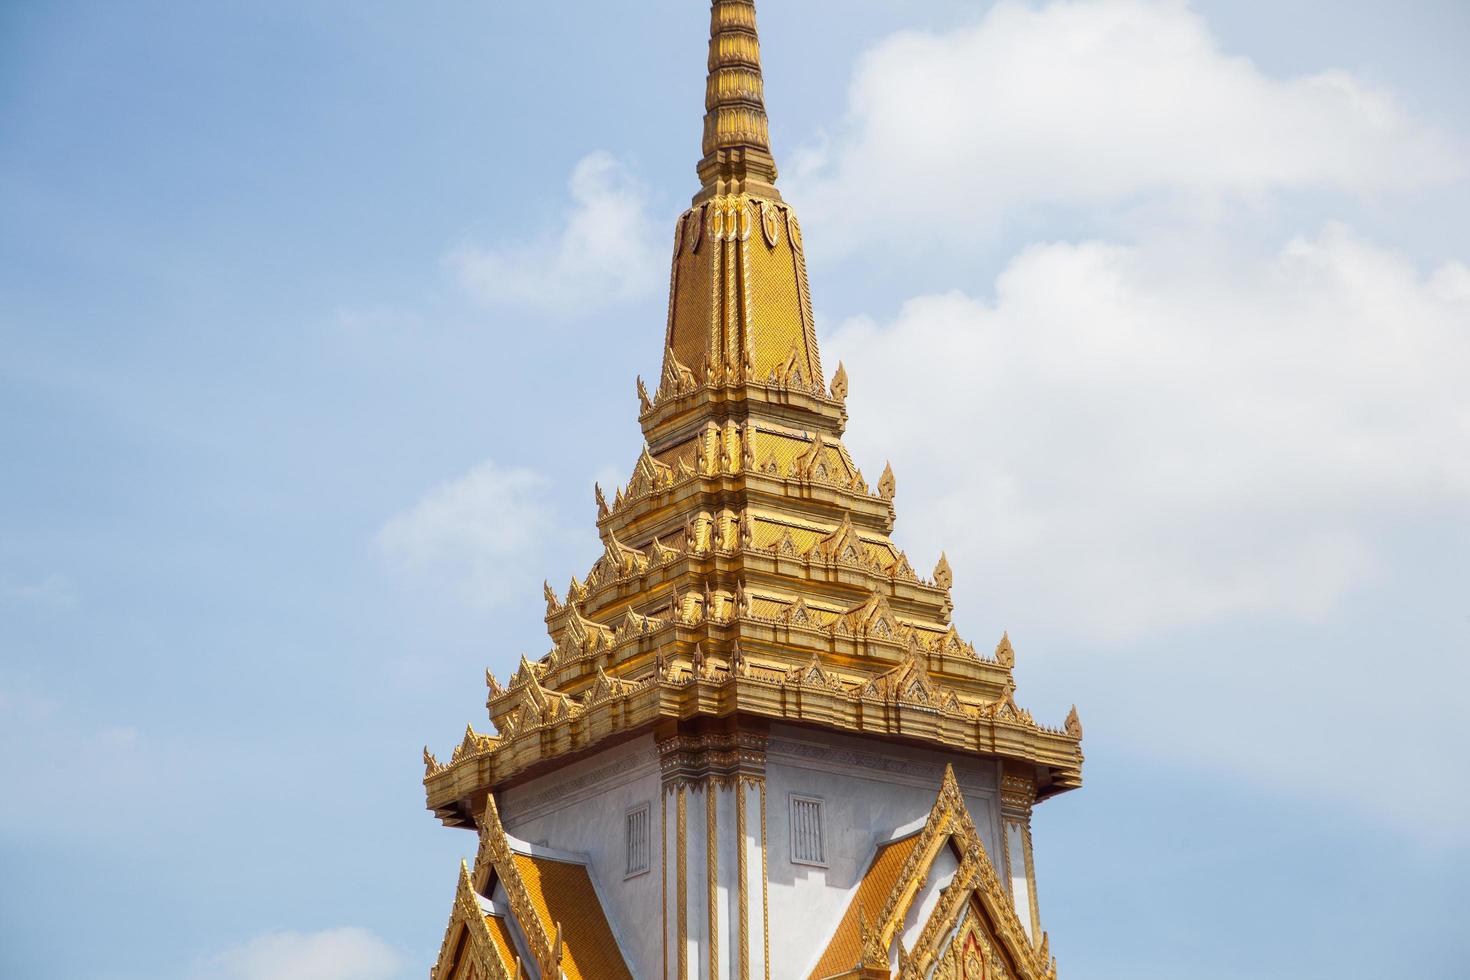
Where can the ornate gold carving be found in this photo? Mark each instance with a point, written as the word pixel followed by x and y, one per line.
pixel 874 953
pixel 720 758
pixel 1017 791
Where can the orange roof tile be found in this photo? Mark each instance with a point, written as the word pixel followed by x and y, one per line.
pixel 504 944
pixel 562 893
pixel 845 949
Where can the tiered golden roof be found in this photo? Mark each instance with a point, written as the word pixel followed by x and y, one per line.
pixel 748 565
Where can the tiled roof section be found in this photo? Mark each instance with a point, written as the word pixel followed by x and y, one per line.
pixel 504 944
pixel 846 946
pixel 561 893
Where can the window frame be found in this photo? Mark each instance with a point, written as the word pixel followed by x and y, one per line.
pixel 646 808
pixel 820 804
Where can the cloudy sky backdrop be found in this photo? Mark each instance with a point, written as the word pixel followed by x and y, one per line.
pixel 319 320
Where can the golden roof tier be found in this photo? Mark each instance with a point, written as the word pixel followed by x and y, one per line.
pixel 748 568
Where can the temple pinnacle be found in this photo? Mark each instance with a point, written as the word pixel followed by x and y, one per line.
pixel 737 143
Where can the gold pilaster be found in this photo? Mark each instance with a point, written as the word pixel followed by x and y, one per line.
pixel 743 898
pixel 765 889
pixel 663 874
pixel 1017 798
pixel 681 831
pixel 712 871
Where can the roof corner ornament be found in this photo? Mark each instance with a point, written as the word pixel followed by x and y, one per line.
pixel 943 574
pixel 839 383
pixel 887 485
pixel 1005 654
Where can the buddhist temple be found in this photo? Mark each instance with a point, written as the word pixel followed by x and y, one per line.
pixel 759 748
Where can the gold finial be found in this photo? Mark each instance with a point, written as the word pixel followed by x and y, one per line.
pixel 737 141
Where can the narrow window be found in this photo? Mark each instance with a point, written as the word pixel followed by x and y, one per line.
pixel 637 828
pixel 808 845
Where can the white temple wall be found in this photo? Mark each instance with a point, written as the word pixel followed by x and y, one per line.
pixel 941 873
pixel 582 809
pixel 869 792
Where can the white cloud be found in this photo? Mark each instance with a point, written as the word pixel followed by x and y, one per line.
pixel 1129 440
pixel 469 534
pixel 334 954
pixel 607 250
pixel 1093 103
pixel 1166 434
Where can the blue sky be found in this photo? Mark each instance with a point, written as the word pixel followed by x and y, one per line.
pixel 318 321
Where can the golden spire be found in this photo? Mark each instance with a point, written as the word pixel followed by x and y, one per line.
pixel 737 140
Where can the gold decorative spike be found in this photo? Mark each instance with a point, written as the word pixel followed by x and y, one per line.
pixel 553 604
pixel 1074 723
pixel 839 383
pixel 943 574
pixel 677 379
pixel 887 485
pixel 602 509
pixel 645 404
pixel 1005 654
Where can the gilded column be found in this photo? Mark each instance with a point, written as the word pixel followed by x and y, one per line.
pixel 716 927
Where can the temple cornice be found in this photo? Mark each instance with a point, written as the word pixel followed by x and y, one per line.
pixel 683 689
